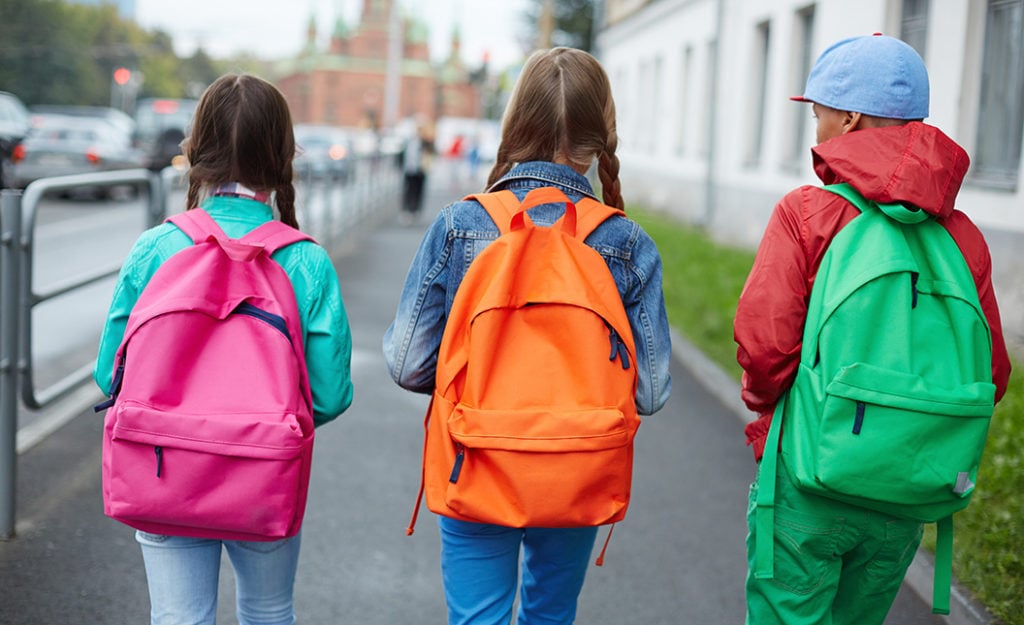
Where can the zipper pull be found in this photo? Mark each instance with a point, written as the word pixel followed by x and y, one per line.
pixel 858 417
pixel 618 348
pixel 159 451
pixel 623 355
pixel 460 455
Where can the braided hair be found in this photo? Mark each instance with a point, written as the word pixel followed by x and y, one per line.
pixel 562 110
pixel 242 132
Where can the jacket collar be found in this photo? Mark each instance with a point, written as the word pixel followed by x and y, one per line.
pixel 534 174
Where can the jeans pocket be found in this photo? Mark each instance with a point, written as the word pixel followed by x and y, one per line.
pixel 805 549
pixel 899 545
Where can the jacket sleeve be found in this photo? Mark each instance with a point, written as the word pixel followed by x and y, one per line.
pixel 644 302
pixel 770 313
pixel 328 339
pixel 412 342
pixel 975 250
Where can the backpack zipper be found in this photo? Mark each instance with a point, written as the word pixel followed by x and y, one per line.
pixel 858 418
pixel 460 455
pixel 618 347
pixel 245 308
pixel 159 451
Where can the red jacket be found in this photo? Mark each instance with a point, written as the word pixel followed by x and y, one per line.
pixel 914 163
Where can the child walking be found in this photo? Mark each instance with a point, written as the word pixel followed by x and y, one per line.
pixel 839 562
pixel 559 121
pixel 240 153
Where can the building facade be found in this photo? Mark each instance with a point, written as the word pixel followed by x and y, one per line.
pixel 705 122
pixel 376 74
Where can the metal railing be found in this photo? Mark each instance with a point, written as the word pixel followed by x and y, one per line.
pixel 329 212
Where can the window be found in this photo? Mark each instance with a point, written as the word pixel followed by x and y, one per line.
pixel 760 96
pixel 654 112
pixel 1001 106
pixel 803 38
pixel 914 24
pixel 683 99
pixel 710 98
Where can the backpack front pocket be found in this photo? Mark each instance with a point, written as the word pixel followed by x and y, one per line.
pixel 203 472
pixel 541 468
pixel 875 425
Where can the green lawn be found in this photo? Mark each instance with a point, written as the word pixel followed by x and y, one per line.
pixel 702 283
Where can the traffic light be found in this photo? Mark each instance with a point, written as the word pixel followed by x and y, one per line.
pixel 122 75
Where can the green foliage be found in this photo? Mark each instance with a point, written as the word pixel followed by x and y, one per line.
pixel 574 23
pixel 990 533
pixel 702 284
pixel 64 53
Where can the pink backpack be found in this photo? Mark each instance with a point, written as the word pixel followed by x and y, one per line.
pixel 210 427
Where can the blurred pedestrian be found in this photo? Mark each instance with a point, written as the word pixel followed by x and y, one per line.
pixel 240 154
pixel 560 119
pixel 417 159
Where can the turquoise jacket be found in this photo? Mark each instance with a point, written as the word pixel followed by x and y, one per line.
pixel 325 329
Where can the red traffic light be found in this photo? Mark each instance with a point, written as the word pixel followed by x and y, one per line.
pixel 122 75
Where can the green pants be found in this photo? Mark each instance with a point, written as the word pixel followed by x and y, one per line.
pixel 835 563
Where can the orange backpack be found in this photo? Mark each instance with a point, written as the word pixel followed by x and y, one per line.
pixel 533 414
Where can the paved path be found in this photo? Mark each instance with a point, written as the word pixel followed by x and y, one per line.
pixel 679 557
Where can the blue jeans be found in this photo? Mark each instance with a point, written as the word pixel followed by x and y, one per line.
pixel 480 567
pixel 183 577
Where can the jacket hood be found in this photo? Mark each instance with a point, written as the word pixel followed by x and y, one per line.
pixel 913 164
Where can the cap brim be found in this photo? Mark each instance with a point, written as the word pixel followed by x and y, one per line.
pixel 799 98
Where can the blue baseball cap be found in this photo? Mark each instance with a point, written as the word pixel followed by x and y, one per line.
pixel 874 75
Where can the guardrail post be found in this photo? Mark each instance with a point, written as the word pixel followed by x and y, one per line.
pixel 10 241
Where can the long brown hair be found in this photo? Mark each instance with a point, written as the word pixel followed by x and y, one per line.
pixel 242 132
pixel 562 109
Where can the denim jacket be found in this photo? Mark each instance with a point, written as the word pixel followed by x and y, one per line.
pixel 462 229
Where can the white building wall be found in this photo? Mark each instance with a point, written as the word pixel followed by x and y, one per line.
pixel 664 147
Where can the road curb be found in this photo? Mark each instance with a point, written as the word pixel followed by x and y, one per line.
pixel 964 608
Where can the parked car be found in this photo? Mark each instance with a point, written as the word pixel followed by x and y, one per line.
pixel 14 123
pixel 120 119
pixel 59 145
pixel 322 152
pixel 160 126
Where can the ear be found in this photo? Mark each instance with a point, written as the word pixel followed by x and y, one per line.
pixel 851 121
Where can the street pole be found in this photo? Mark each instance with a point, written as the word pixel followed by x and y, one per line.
pixel 393 77
pixel 10 261
pixel 546 27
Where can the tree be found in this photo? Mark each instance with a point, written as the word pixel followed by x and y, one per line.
pixel 573 28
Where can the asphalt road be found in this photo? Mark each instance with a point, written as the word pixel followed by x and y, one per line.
pixel 678 558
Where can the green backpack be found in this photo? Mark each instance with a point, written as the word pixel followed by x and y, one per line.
pixel 892 400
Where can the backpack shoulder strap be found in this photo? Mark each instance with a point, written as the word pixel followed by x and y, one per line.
pixel 273 235
pixel 896 211
pixel 197 224
pixel 500 205
pixel 592 214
